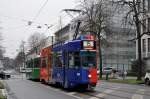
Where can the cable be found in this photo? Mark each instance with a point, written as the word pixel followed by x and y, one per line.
pixel 30 22
pixel 19 19
pixel 38 13
pixel 13 28
pixel 15 18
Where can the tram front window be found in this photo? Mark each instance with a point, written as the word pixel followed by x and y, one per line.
pixel 88 59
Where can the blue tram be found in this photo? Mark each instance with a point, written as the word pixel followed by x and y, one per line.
pixel 74 63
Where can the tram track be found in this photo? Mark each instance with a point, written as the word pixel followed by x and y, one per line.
pixel 101 92
pixel 124 87
pixel 90 95
pixel 130 92
pixel 94 94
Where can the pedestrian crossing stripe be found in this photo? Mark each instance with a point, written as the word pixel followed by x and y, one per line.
pixel 102 95
pixel 137 96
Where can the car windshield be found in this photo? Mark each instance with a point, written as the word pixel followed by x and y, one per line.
pixel 107 69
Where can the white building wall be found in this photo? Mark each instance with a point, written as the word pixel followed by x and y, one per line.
pixel 146 54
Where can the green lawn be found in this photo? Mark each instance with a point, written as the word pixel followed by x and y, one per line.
pixel 1 96
pixel 127 81
pixel 2 87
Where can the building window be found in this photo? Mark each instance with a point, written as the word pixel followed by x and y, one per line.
pixel 148 5
pixel 148 25
pixel 144 45
pixel 145 5
pixel 148 44
pixel 144 26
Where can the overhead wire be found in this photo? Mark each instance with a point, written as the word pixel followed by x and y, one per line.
pixel 13 28
pixel 40 10
pixel 15 18
pixel 30 22
pixel 38 13
pixel 33 21
pixel 20 19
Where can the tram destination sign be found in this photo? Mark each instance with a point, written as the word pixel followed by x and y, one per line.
pixel 88 44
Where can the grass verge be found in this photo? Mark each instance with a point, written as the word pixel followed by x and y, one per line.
pixel 1 95
pixel 2 87
pixel 126 81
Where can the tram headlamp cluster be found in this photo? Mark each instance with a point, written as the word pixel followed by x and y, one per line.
pixel 89 76
pixel 78 74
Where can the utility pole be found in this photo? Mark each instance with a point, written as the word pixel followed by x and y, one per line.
pixel 52 41
pixel 23 53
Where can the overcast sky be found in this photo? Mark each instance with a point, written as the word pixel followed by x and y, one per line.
pixel 14 13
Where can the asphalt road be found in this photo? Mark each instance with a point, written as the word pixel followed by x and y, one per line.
pixel 25 89
pixel 20 88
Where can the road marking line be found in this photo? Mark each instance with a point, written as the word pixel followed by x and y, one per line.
pixel 72 93
pixel 68 94
pixel 93 98
pixel 137 96
pixel 103 94
pixel 141 91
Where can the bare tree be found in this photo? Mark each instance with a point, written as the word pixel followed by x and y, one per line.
pixel 134 17
pixel 97 13
pixel 19 60
pixel 1 47
pixel 37 40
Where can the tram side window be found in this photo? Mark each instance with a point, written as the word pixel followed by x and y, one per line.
pixel 74 59
pixel 43 63
pixel 31 63
pixel 66 63
pixel 71 60
pixel 37 63
pixel 27 64
pixel 77 59
pixel 58 61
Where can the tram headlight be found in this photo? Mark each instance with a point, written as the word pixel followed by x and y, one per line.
pixel 89 76
pixel 78 74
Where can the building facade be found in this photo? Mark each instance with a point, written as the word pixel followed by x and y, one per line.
pixel 145 39
pixel 119 50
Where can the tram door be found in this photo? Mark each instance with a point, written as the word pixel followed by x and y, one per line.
pixel 65 66
pixel 50 67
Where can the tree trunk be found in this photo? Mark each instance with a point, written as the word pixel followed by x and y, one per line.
pixel 139 74
pixel 137 22
pixel 100 57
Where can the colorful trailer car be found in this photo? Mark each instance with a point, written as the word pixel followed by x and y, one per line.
pixel 46 64
pixel 34 65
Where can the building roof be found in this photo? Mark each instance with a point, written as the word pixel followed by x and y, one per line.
pixel 63 30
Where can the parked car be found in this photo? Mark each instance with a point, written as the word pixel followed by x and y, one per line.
pixel 147 77
pixel 4 74
pixel 107 70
